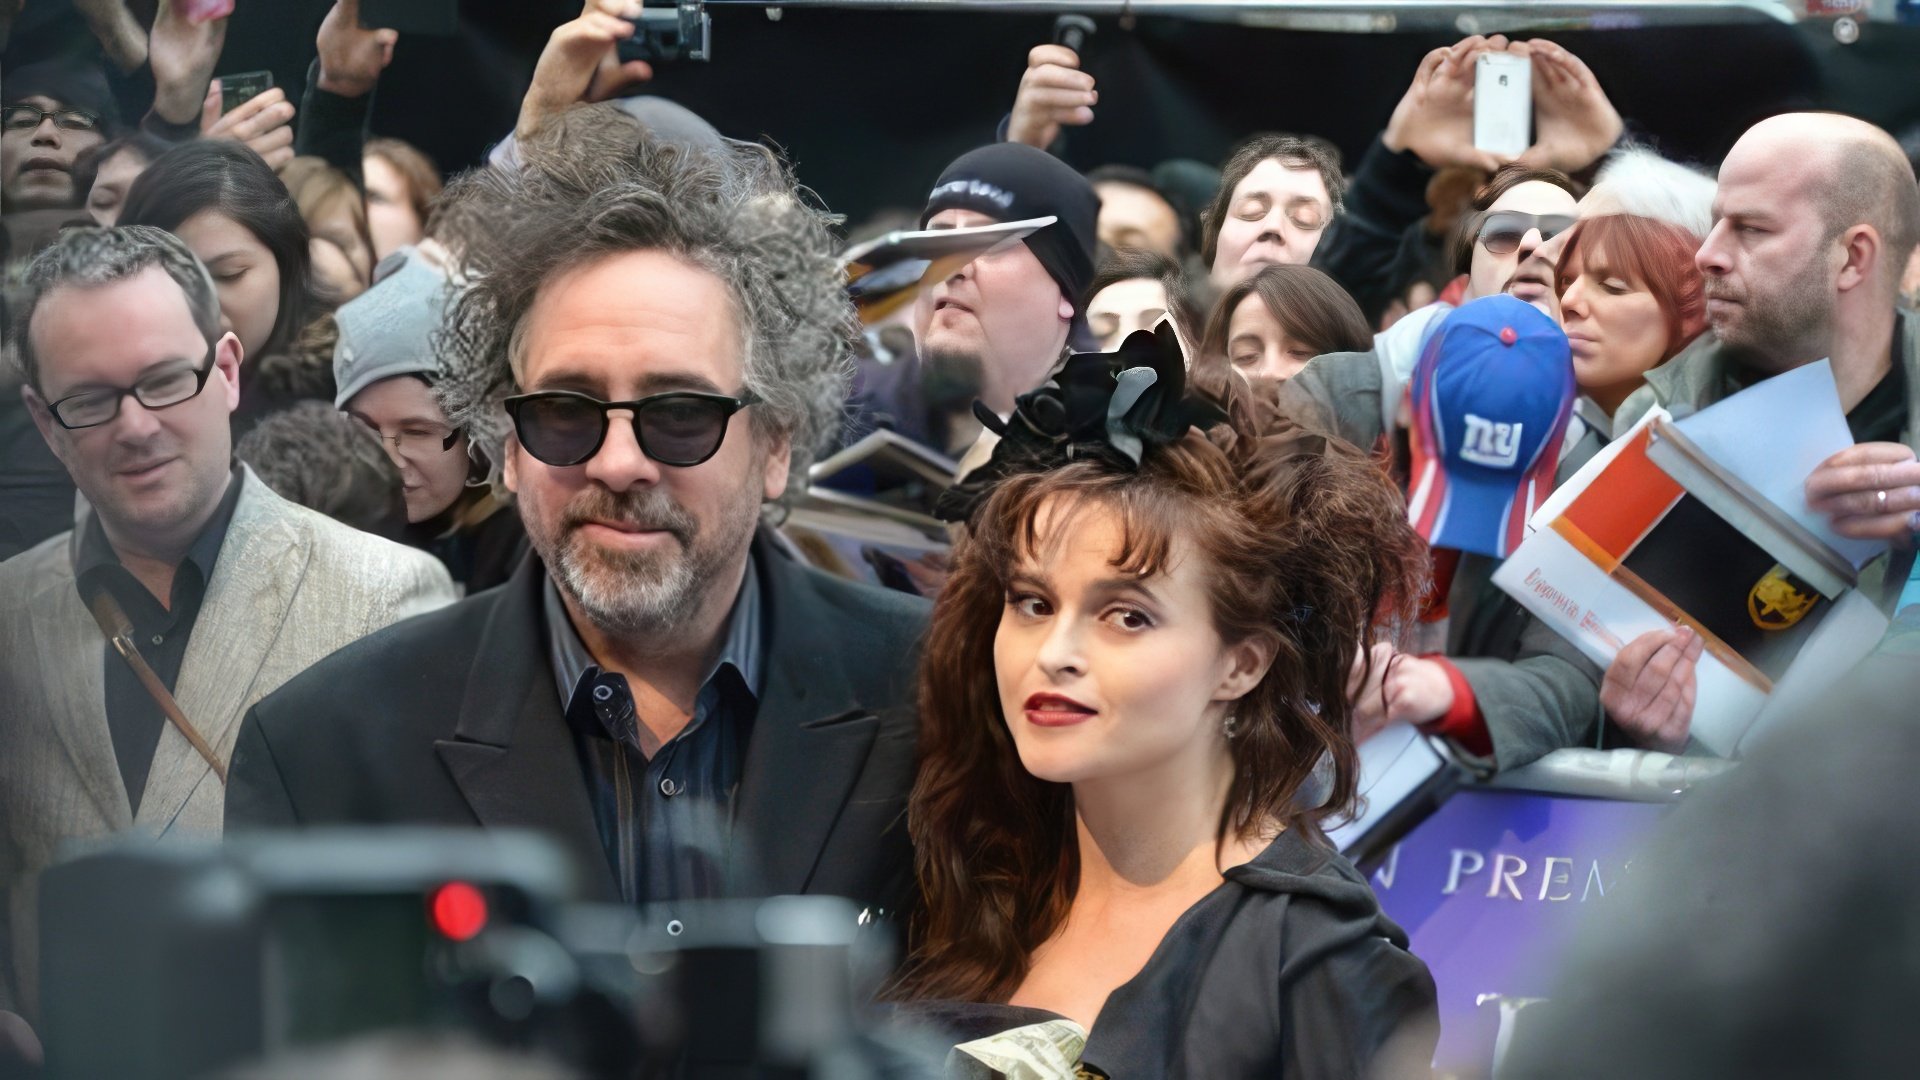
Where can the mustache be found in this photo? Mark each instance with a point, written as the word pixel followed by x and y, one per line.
pixel 650 509
pixel 1719 289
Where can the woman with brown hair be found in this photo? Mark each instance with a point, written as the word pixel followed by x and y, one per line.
pixel 402 183
pixel 1134 721
pixel 337 218
pixel 1268 326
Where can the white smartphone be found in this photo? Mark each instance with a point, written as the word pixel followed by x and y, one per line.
pixel 1503 103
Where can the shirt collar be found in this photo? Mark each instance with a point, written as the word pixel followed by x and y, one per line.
pixel 96 551
pixel 740 645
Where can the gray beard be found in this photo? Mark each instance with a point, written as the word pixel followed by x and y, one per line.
pixel 651 594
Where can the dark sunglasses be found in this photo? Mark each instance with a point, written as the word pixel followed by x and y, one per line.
pixel 160 390
pixel 1501 230
pixel 682 428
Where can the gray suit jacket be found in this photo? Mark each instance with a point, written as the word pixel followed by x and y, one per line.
pixel 290 586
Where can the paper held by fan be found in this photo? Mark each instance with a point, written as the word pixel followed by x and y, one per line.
pixel 887 272
pixel 1634 543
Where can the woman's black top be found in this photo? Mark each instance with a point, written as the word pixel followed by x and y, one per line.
pixel 1287 969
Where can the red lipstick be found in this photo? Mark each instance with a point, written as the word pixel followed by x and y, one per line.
pixel 1055 710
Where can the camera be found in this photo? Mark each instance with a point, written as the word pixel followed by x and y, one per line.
pixel 677 34
pixel 182 960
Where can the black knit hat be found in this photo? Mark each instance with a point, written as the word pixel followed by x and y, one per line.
pixel 73 83
pixel 1014 182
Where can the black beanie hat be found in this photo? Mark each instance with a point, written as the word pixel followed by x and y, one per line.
pixel 1013 182
pixel 73 83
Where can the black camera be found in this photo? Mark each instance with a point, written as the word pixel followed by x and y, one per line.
pixel 163 961
pixel 677 34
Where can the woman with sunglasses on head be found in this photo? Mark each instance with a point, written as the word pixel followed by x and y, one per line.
pixel 1133 723
pixel 1356 395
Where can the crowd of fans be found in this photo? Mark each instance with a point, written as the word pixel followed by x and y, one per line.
pixel 466 505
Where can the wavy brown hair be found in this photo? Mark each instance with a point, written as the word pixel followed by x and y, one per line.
pixel 1306 545
pixel 1308 304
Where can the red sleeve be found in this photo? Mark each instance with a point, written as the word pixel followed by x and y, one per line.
pixel 1463 723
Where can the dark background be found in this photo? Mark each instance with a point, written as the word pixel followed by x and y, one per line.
pixel 871 104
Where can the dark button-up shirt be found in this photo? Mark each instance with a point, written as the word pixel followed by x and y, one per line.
pixel 665 822
pixel 134 719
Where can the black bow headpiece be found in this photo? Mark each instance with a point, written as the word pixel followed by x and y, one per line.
pixel 1101 406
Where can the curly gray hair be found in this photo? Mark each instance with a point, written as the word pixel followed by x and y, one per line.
pixel 735 211
pixel 89 258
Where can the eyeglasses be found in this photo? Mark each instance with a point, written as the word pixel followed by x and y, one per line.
pixel 1501 231
pixel 161 389
pixel 681 428
pixel 418 445
pixel 28 117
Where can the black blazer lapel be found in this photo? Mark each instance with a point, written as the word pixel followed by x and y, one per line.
pixel 810 742
pixel 512 755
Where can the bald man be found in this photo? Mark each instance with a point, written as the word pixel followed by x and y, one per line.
pixel 1814 220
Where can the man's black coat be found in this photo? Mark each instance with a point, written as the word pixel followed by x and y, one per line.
pixel 453 718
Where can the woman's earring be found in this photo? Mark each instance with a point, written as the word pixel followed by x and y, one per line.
pixel 1232 725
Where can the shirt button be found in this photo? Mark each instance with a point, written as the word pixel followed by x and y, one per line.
pixel 159 638
pixel 602 693
pixel 668 787
pixel 675 928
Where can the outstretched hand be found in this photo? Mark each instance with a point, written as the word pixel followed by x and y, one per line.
pixel 264 124
pixel 1574 121
pixel 1053 92
pixel 582 63
pixel 351 57
pixel 183 54
pixel 1434 118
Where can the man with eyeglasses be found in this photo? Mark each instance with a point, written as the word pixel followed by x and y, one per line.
pixel 216 590
pixel 53 114
pixel 655 345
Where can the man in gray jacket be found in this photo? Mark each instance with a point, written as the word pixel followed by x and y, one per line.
pixel 1814 220
pixel 216 590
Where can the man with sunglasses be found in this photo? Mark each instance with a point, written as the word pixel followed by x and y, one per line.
pixel 657 344
pixel 228 590
pixel 1356 395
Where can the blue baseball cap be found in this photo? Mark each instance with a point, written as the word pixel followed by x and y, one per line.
pixel 1491 394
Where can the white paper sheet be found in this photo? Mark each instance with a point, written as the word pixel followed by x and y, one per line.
pixel 1773 434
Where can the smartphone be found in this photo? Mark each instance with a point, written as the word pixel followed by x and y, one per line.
pixel 237 90
pixel 439 18
pixel 1503 104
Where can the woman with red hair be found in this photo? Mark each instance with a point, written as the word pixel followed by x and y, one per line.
pixel 1630 300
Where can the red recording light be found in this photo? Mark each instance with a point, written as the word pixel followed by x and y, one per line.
pixel 459 911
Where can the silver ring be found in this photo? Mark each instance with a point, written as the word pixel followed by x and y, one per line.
pixel 1882 496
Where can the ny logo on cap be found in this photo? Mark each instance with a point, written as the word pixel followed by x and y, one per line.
pixel 1495 445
